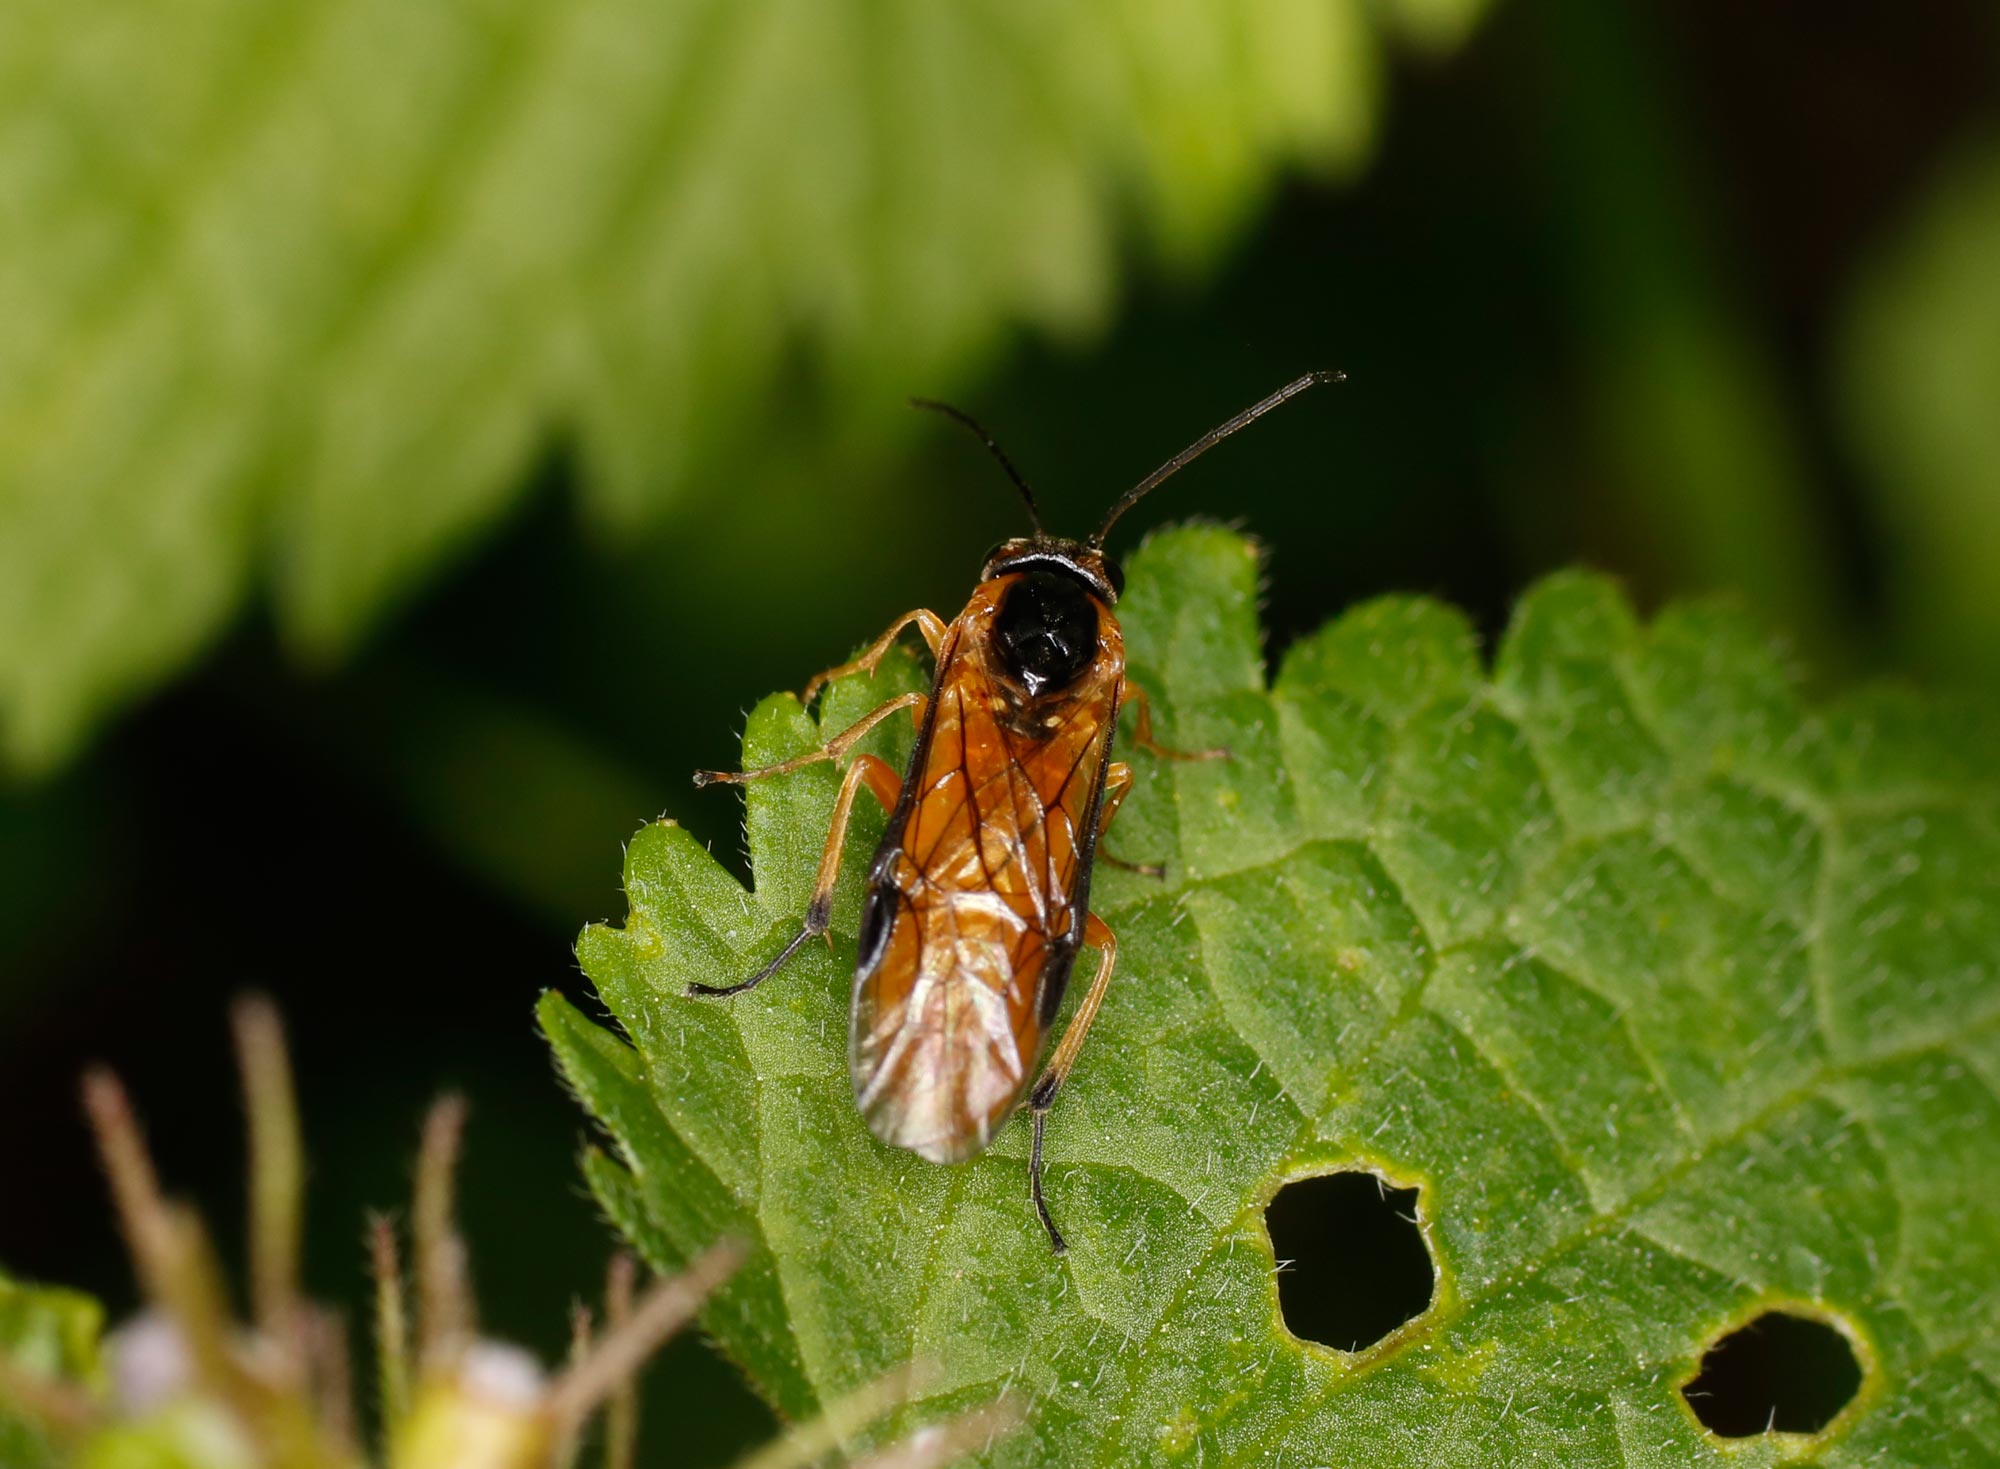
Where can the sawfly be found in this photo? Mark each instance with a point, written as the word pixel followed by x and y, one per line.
pixel 978 899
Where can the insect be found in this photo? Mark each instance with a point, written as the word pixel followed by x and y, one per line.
pixel 978 899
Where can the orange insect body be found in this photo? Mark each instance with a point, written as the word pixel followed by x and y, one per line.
pixel 980 891
pixel 979 895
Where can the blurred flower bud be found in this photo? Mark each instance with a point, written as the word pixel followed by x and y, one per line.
pixel 488 1412
pixel 150 1364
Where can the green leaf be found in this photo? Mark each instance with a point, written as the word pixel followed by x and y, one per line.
pixel 49 1331
pixel 1675 994
pixel 190 1434
pixel 1920 371
pixel 295 294
pixel 50 1334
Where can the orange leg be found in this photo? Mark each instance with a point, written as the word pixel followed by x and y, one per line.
pixel 886 786
pixel 833 749
pixel 1117 786
pixel 1099 936
pixel 1142 732
pixel 928 622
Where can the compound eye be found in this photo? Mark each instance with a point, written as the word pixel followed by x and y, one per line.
pixel 1115 574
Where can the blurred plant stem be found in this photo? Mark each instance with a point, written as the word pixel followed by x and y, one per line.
pixel 1689 423
pixel 184 1384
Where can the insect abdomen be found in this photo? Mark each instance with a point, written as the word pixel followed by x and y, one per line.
pixel 935 1050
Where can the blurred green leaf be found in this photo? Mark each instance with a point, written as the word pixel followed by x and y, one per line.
pixel 49 1331
pixel 1675 995
pixel 295 293
pixel 1920 378
pixel 192 1434
pixel 47 1334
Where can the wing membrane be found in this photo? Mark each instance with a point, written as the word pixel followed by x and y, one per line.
pixel 985 868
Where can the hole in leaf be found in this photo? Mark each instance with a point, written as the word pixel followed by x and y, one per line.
pixel 1783 1372
pixel 1352 1263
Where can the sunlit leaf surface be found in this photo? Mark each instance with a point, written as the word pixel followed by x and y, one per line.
pixel 294 294
pixel 1673 994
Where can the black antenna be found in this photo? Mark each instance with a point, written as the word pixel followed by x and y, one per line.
pixel 959 416
pixel 1206 442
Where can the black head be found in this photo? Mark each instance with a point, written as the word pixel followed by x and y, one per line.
pixel 1046 629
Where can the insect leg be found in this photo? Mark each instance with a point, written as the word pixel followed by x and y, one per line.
pixel 1142 733
pixel 1099 936
pixel 833 749
pixel 928 623
pixel 884 783
pixel 1117 786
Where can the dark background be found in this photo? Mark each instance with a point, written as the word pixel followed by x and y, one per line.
pixel 402 851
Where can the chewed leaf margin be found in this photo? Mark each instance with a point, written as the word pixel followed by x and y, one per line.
pixel 1673 990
